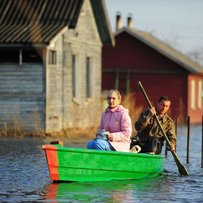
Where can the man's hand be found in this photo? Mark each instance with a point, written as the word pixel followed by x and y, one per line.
pixel 153 111
pixel 173 149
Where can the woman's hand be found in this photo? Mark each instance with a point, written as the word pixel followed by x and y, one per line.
pixel 110 137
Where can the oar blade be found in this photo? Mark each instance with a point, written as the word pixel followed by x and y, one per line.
pixel 181 168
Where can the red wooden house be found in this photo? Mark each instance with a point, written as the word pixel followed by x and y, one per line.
pixel 139 56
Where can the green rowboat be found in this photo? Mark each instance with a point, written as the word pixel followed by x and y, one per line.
pixel 80 164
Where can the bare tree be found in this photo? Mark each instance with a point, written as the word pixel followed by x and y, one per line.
pixel 197 55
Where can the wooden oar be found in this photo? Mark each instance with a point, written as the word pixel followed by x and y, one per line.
pixel 182 170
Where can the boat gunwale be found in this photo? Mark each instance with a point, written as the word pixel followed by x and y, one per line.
pixel 103 152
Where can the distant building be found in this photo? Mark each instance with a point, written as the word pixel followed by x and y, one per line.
pixel 139 56
pixel 50 63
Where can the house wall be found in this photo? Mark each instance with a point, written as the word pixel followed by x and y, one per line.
pixel 63 110
pixel 156 85
pixel 53 89
pixel 21 97
pixel 131 61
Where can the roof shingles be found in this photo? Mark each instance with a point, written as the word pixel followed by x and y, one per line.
pixel 36 21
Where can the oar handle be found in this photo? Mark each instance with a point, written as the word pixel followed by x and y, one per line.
pixel 146 97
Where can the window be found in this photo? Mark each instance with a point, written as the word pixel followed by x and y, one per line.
pixel 200 94
pixel 52 57
pixel 20 56
pixel 75 76
pixel 9 56
pixel 31 56
pixel 89 77
pixel 192 98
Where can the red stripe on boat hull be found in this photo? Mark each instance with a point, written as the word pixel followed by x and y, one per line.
pixel 52 161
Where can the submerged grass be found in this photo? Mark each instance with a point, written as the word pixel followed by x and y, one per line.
pixel 15 129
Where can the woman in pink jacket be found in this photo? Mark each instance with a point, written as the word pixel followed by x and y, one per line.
pixel 115 126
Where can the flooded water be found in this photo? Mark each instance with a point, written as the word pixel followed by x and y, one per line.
pixel 24 177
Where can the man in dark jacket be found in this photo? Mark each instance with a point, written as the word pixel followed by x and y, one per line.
pixel 149 136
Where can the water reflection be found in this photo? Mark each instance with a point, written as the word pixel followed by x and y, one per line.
pixel 114 191
pixel 24 177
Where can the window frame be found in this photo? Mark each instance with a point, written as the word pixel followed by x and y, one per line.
pixel 89 77
pixel 52 57
pixel 75 76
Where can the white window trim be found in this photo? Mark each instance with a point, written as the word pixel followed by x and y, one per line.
pixel 192 98
pixel 199 94
pixel 76 78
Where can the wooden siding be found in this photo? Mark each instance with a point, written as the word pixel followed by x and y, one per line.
pixel 21 97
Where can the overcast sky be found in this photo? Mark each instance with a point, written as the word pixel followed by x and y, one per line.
pixel 176 22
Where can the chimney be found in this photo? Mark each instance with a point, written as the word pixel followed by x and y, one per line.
pixel 129 21
pixel 119 24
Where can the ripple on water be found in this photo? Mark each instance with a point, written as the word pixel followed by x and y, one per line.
pixel 24 177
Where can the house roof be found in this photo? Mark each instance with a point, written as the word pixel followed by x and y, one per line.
pixel 163 48
pixel 38 22
pixel 102 20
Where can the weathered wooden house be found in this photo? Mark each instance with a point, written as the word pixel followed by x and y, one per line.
pixel 50 63
pixel 139 56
